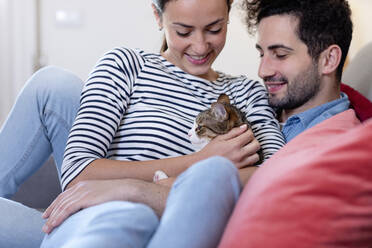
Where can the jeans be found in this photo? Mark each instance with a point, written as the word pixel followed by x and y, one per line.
pixel 37 126
pixel 197 210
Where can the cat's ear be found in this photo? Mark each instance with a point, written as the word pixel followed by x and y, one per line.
pixel 219 111
pixel 224 99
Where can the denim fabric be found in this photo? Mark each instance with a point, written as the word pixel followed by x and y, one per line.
pixel 37 126
pixel 20 226
pixel 198 208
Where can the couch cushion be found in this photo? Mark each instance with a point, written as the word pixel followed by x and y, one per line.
pixel 315 192
pixel 361 105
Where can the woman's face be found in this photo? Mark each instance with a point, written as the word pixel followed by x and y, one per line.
pixel 195 31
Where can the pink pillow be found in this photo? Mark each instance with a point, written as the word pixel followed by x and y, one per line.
pixel 315 192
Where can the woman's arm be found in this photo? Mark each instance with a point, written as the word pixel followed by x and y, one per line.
pixel 262 117
pixel 241 147
pixel 238 145
pixel 89 193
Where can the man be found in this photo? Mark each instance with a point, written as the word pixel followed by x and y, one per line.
pixel 303 46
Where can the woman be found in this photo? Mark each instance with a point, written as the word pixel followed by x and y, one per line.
pixel 135 111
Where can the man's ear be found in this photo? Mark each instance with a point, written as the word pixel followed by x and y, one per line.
pixel 330 59
pixel 157 15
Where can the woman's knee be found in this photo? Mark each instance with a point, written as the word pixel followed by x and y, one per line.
pixel 53 80
pixel 121 210
pixel 216 167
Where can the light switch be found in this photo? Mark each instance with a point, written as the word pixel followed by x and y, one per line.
pixel 68 18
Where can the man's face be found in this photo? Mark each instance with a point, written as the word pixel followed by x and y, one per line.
pixel 289 73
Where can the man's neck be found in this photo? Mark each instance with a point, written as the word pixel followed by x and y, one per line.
pixel 327 95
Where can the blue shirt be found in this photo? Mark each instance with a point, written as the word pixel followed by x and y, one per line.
pixel 298 123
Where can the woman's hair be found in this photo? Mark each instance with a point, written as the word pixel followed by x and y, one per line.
pixel 161 5
pixel 321 23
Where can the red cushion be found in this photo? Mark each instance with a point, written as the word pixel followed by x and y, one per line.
pixel 315 192
pixel 361 105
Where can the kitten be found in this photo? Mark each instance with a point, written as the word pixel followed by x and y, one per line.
pixel 219 119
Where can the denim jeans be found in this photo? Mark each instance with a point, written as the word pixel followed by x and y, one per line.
pixel 37 126
pixel 198 207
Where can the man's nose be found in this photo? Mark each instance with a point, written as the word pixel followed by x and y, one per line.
pixel 266 68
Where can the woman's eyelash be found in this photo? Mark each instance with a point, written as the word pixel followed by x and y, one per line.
pixel 188 33
pixel 215 31
pixel 183 34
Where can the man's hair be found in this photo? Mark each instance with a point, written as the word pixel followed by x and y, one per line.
pixel 321 23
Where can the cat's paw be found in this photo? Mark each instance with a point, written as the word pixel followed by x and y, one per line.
pixel 159 175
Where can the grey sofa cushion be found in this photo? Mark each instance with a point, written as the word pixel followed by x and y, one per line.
pixel 358 74
pixel 41 188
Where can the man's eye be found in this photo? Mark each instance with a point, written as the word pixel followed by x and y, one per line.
pixel 281 56
pixel 183 34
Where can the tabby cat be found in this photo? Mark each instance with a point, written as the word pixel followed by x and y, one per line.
pixel 220 118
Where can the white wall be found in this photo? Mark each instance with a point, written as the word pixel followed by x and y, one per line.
pixel 98 26
pixel 361 15
pixel 102 25
pixel 17 43
pixel 239 55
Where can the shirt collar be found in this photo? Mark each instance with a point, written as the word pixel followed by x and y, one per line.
pixel 323 111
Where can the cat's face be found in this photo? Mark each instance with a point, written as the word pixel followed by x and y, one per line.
pixel 220 118
pixel 197 142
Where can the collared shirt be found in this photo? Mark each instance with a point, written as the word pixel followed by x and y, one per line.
pixel 298 123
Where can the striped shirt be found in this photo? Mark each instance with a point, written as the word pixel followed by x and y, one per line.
pixel 137 106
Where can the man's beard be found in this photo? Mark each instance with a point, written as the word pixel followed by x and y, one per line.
pixel 303 87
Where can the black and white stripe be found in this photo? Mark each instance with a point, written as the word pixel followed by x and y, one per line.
pixel 138 106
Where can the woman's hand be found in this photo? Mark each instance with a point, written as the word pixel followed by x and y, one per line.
pixel 83 195
pixel 239 145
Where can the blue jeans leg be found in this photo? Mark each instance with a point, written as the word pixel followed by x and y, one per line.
pixel 109 225
pixel 20 226
pixel 37 126
pixel 199 206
